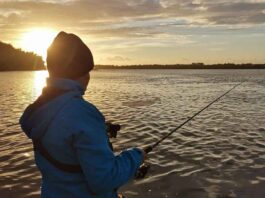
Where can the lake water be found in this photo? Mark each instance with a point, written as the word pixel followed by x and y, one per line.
pixel 220 154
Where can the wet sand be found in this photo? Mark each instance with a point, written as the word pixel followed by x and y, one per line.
pixel 220 154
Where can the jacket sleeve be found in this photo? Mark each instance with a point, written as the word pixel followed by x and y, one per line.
pixel 103 170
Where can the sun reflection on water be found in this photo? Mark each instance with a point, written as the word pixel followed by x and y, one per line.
pixel 39 81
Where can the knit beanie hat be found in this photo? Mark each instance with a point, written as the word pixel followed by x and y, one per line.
pixel 69 57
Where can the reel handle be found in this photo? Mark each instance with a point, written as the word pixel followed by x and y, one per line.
pixel 112 129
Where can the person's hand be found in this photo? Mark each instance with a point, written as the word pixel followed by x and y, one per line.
pixel 143 169
pixel 144 154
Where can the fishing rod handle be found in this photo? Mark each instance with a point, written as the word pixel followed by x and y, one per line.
pixel 148 149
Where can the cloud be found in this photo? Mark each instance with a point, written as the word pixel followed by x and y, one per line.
pixel 117 58
pixel 134 24
pixel 237 13
pixel 73 12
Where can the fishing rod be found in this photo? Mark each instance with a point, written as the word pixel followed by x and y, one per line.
pixel 144 168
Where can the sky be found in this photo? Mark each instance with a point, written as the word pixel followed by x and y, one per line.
pixel 125 32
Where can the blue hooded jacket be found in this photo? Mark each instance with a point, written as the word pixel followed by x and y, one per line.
pixel 72 130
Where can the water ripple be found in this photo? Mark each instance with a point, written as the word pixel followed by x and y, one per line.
pixel 221 153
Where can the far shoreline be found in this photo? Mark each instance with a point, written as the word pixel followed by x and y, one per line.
pixel 185 66
pixel 193 66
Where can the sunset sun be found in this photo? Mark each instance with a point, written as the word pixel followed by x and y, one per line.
pixel 37 40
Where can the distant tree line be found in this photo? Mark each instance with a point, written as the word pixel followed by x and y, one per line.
pixel 12 59
pixel 185 66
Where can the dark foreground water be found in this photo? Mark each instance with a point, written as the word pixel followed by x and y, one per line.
pixel 220 154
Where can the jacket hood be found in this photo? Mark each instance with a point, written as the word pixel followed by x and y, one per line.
pixel 38 116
